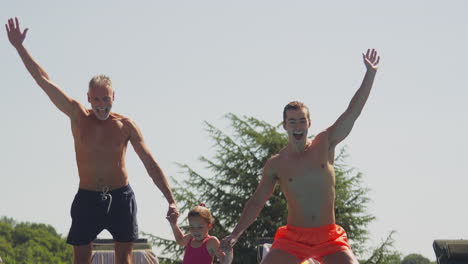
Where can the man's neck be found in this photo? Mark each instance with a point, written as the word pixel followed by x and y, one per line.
pixel 298 147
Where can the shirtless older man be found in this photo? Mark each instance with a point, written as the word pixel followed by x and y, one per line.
pixel 105 199
pixel 304 170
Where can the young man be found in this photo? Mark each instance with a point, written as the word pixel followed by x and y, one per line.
pixel 104 200
pixel 304 170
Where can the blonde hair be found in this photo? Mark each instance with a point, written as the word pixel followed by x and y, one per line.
pixel 203 212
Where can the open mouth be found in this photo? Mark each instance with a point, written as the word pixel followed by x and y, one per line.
pixel 104 109
pixel 102 112
pixel 298 135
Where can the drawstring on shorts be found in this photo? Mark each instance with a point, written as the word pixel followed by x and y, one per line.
pixel 105 194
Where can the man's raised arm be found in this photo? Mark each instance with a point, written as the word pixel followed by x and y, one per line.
pixel 56 95
pixel 343 125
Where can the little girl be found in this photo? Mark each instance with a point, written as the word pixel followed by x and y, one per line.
pixel 200 247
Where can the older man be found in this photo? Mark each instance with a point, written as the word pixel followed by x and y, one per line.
pixel 105 199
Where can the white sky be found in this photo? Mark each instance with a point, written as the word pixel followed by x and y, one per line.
pixel 175 64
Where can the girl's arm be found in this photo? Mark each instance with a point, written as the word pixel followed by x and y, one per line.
pixel 180 238
pixel 215 251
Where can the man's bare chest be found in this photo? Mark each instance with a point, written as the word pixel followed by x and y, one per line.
pixel 311 169
pixel 94 136
pixel 304 172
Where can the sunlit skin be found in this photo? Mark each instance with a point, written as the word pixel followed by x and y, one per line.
pixel 100 140
pixel 297 125
pixel 199 229
pixel 101 99
pixel 305 173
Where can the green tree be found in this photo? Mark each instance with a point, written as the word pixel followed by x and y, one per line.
pixel 167 261
pixel 384 254
pixel 415 259
pixel 235 172
pixel 32 243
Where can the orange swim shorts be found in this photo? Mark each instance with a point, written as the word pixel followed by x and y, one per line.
pixel 315 242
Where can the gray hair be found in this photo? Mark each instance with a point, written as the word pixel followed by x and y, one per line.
pixel 100 80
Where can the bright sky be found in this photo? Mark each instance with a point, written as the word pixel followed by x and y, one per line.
pixel 175 64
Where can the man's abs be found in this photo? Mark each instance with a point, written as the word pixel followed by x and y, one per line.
pixel 316 211
pixel 100 168
pixel 310 195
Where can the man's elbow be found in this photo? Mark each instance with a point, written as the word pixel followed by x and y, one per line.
pixel 42 81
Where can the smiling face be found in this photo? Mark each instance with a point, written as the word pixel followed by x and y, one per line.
pixel 297 125
pixel 199 227
pixel 101 96
pixel 101 99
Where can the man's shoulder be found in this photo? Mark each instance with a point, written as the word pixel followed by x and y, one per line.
pixel 320 140
pixel 118 116
pixel 276 157
pixel 126 121
pixel 322 135
pixel 273 162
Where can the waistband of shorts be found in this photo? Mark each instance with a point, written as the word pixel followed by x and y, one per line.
pixel 311 229
pixel 112 192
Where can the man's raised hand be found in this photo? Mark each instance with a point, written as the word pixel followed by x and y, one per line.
pixel 371 59
pixel 15 35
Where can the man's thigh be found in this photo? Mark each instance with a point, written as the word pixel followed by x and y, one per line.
pixel 278 256
pixel 82 254
pixel 123 252
pixel 340 257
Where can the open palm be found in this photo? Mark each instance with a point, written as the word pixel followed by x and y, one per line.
pixel 15 35
pixel 371 59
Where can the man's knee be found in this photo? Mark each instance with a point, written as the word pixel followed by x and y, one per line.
pixel 82 254
pixel 123 258
pixel 123 253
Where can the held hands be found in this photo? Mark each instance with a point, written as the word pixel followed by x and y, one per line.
pixel 227 243
pixel 172 214
pixel 371 59
pixel 225 257
pixel 14 32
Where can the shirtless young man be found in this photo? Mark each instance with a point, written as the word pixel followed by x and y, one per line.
pixel 304 170
pixel 105 199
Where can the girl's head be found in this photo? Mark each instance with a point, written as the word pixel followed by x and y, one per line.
pixel 200 222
